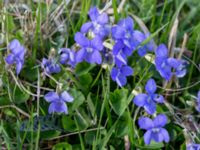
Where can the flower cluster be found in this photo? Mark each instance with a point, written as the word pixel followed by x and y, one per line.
pixel 123 47
pixel 58 101
pixel 124 43
pixel 168 66
pixel 93 34
pixel 16 56
pixel 127 39
pixel 90 38
pixel 124 40
pixel 148 101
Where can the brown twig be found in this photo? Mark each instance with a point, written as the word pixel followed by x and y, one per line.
pixel 22 87
pixel 17 108
pixel 74 133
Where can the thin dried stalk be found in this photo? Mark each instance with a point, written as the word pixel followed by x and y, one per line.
pixel 126 142
pixel 172 37
pixel 17 108
pixel 183 46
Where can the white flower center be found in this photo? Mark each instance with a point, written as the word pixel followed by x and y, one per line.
pixel 127 35
pixel 96 26
pixel 155 129
pixel 89 50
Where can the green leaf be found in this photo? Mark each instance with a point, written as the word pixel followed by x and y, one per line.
pixel 183 146
pixel 122 128
pixel 29 72
pixel 5 136
pixel 90 136
pixel 76 146
pixel 4 100
pixel 173 131
pixel 152 145
pixel 118 100
pixel 19 35
pixel 78 99
pixel 85 79
pixel 49 134
pixel 83 68
pixel 105 140
pixel 83 120
pixel 10 113
pixel 68 124
pixel 10 23
pixel 114 5
pixel 62 146
pixel 112 147
pixel 20 96
pixel 91 104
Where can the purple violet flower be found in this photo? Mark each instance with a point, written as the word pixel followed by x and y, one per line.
pixel 127 40
pixel 67 56
pixel 58 101
pixel 198 102
pixel 122 34
pixel 16 56
pixel 50 66
pixel 165 65
pixel 98 25
pixel 140 37
pixel 120 53
pixel 119 74
pixel 90 49
pixel 155 130
pixel 149 100
pixel 193 146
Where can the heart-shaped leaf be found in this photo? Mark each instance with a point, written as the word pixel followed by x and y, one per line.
pixel 118 100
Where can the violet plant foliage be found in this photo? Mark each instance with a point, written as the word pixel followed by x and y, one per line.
pixel 125 40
